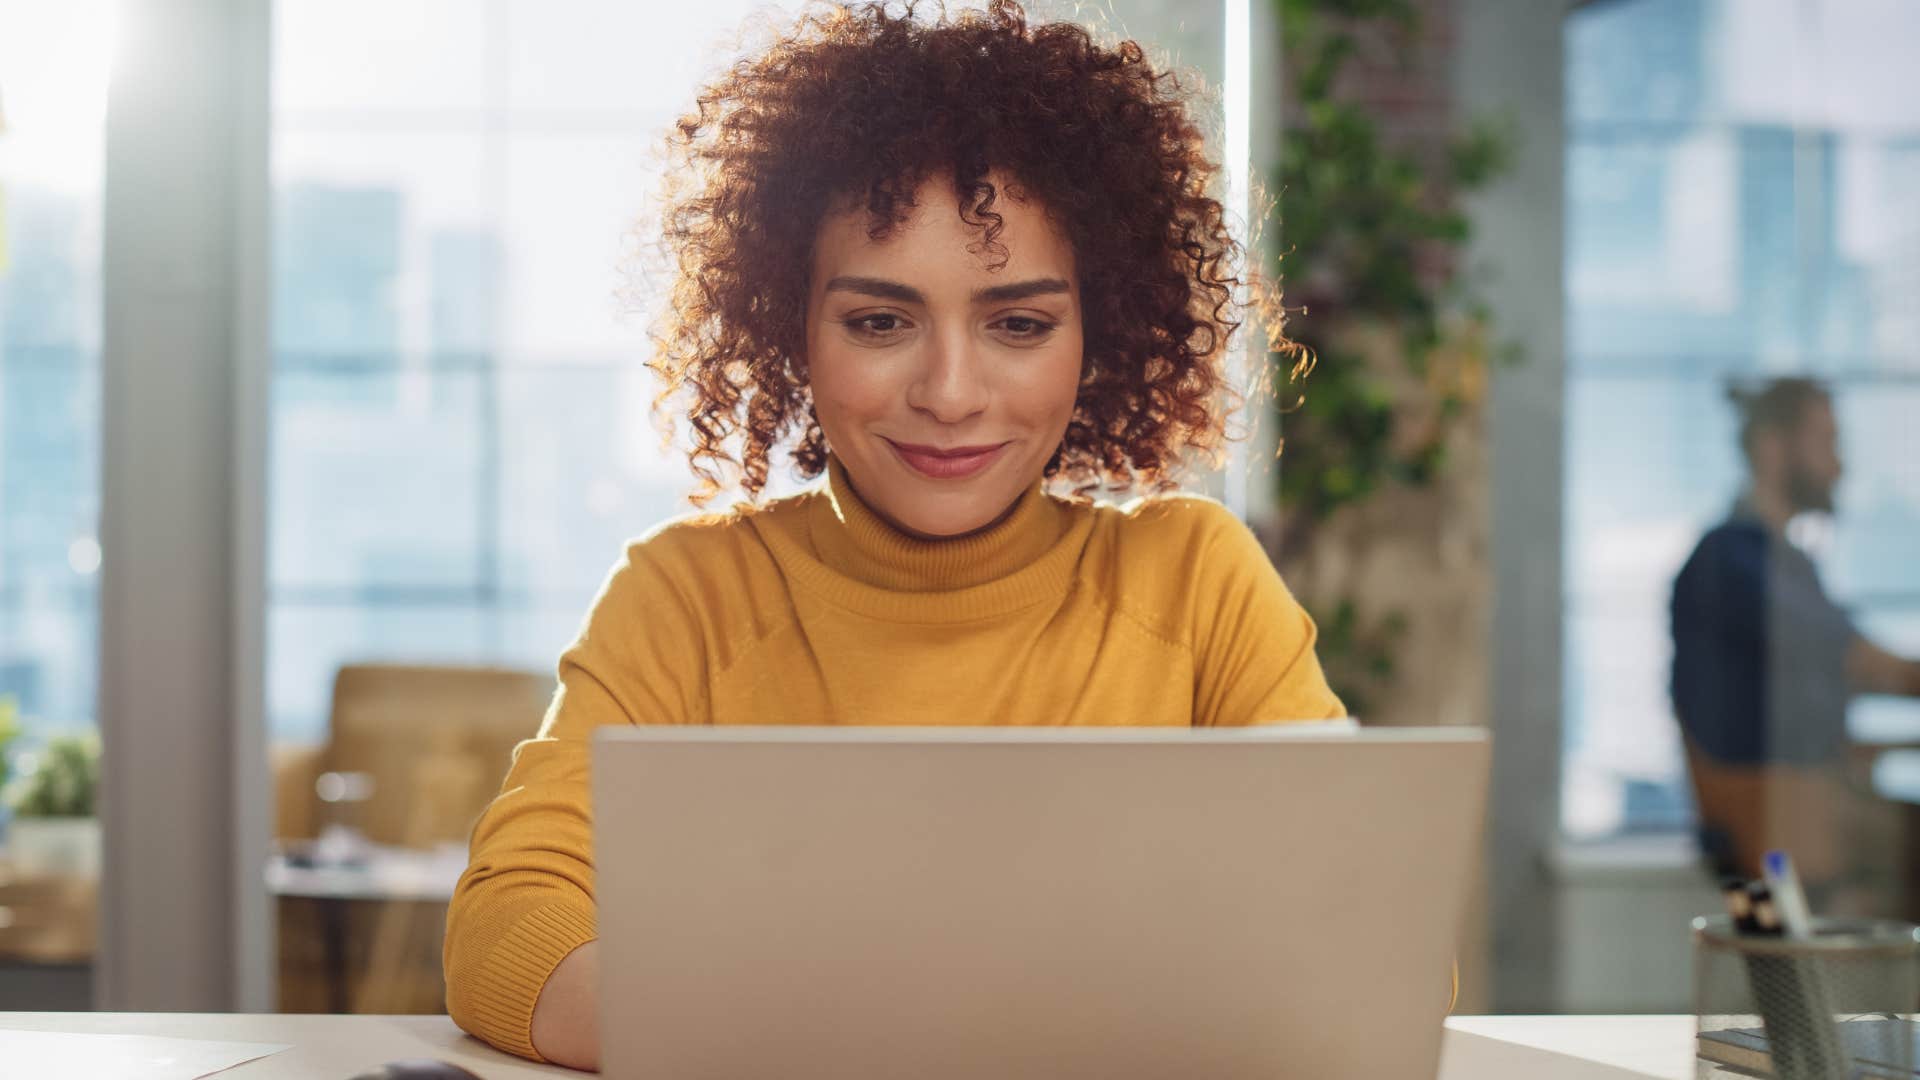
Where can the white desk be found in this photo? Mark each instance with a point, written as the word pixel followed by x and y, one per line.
pixel 337 1047
pixel 1568 1047
pixel 388 873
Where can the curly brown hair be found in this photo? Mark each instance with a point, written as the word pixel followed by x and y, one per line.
pixel 859 104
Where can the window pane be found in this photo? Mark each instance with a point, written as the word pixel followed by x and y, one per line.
pixel 1895 624
pixel 53 71
pixel 1830 64
pixel 1877 531
pixel 1739 249
pixel 571 202
pixel 47 645
pixel 1650 462
pixel 1637 62
pixel 381 247
pixel 377 479
pixel 581 474
pixel 332 632
pixel 1624 767
pixel 591 55
pixel 381 56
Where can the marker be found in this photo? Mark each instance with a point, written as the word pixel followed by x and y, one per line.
pixel 1787 897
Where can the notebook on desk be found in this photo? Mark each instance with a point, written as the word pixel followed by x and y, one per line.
pixel 1023 902
pixel 1874 1046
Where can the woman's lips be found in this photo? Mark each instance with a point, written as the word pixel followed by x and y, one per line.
pixel 951 463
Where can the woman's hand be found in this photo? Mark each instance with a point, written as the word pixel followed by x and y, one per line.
pixel 566 1018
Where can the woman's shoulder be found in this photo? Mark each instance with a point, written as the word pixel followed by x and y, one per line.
pixel 707 537
pixel 1171 558
pixel 709 564
pixel 1170 525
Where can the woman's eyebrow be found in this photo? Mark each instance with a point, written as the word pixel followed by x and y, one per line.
pixel 1021 290
pixel 907 294
pixel 880 287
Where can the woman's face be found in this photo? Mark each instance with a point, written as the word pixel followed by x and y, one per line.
pixel 942 385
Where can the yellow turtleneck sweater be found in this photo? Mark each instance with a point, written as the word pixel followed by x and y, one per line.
pixel 813 610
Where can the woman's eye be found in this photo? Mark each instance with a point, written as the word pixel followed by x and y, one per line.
pixel 875 325
pixel 1026 327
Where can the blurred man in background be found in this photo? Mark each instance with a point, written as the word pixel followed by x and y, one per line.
pixel 1764 662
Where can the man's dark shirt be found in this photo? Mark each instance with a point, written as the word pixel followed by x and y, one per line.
pixel 1759 651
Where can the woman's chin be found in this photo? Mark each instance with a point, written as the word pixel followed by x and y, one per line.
pixel 942 524
pixel 934 507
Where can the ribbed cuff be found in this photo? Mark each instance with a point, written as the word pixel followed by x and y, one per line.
pixel 516 969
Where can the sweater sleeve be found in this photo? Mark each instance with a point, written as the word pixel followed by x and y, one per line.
pixel 526 898
pixel 1252 641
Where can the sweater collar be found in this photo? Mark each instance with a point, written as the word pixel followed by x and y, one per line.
pixel 849 537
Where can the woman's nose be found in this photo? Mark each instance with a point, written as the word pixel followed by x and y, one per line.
pixel 951 383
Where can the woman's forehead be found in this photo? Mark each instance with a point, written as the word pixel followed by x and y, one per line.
pixel 934 241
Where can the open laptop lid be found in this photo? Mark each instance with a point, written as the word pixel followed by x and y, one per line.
pixel 1031 901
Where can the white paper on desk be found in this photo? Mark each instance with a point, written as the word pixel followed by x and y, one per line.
pixel 77 1056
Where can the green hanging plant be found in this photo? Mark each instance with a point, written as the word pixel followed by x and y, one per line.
pixel 1399 340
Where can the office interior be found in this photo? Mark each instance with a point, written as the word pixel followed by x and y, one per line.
pixel 323 415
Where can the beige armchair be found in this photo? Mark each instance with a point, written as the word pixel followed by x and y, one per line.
pixel 436 741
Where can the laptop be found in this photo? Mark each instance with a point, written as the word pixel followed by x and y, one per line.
pixel 864 902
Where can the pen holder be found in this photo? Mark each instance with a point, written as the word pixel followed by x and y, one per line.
pixel 1826 1007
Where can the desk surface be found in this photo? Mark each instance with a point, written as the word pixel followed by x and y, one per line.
pixel 387 873
pixel 337 1047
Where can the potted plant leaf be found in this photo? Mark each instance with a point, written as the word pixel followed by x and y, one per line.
pixel 9 733
pixel 54 829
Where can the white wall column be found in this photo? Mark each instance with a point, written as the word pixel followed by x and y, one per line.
pixel 183 804
pixel 1510 66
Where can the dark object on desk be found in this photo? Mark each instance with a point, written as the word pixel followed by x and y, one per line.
pixel 1871 1044
pixel 1739 904
pixel 305 855
pixel 1763 918
pixel 418 1069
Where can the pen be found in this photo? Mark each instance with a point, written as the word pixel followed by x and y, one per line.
pixel 1787 896
pixel 1796 1004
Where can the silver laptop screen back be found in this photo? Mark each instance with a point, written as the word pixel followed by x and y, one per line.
pixel 1004 902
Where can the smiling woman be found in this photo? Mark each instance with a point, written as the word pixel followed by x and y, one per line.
pixel 944 262
pixel 941 379
pixel 1042 145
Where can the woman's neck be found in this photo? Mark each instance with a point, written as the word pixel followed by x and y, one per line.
pixel 852 537
pixel 930 538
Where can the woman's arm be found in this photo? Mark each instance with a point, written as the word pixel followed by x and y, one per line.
pixel 1253 644
pixel 526 899
pixel 523 913
pixel 566 1019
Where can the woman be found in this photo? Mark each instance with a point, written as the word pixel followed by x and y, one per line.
pixel 950 262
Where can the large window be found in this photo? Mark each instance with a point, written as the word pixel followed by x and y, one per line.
pixel 53 92
pixel 1743 199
